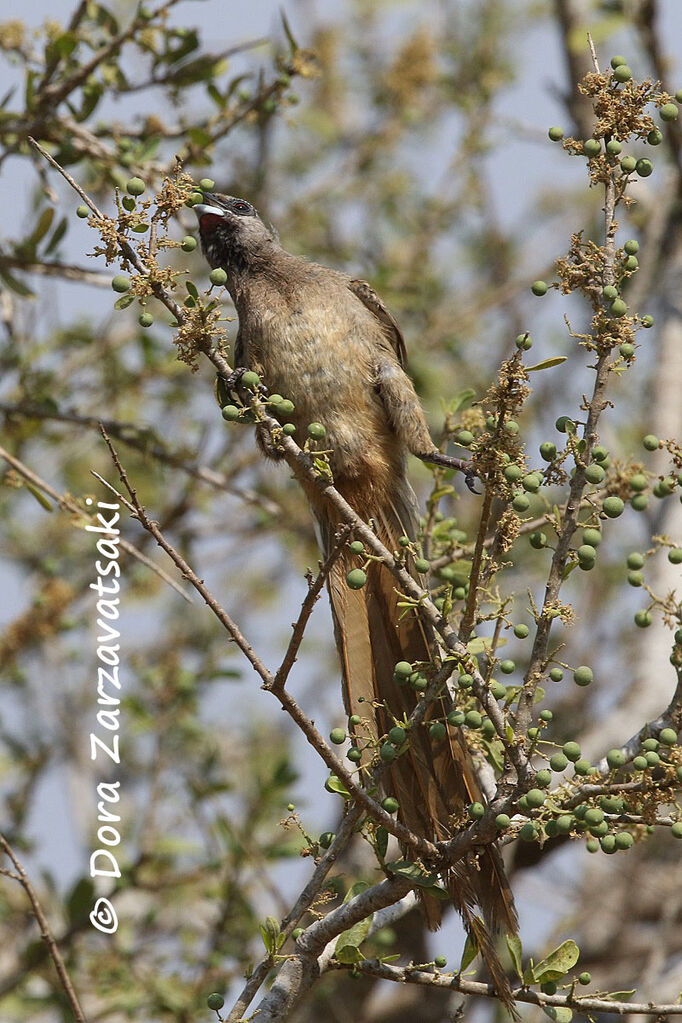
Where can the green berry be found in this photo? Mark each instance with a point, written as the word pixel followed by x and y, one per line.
pixel 565 424
pixel 533 733
pixel 390 804
pixel 356 579
pixel 497 689
pixel 524 342
pixel 513 473
pixel 639 502
pixel 615 758
pixel 397 735
pixel 644 168
pixel 655 137
pixel 230 413
pixel 555 133
pixel 507 667
pixel 652 758
pixel 583 675
pixel 591 536
pixel 556 674
pixel 543 778
pixel 476 811
pixel 338 736
pixel 521 631
pixel 647 321
pixel 538 540
pixel 316 431
pixel 643 619
pixel 592 846
pixel 354 720
pixel 422 565
pixel 594 473
pixel 194 198
pixel 668 112
pixel 419 682
pixel 528 832
pixel 250 380
pixel 635 560
pixel 618 61
pixel 387 752
pixel 465 681
pixel 511 427
pixel 586 553
pixel 546 715
pixel 215 1001
pixel 628 164
pixel 135 186
pixel 207 184
pixel 631 247
pixel 609 292
pixel 456 717
pixel 217 276
pixel 357 547
pixel 593 816
pixel 650 744
pixel 403 669
pixel 613 507
pixel 82 212
pixel 465 438
pixel 638 482
pixel 326 839
pixel 668 737
pixel 631 263
pixel 558 762
pixel 472 719
pixel 676 829
pixel 635 578
pixel 591 147
pixel 440 962
pixel 532 483
pixel 145 319
pixel 535 798
pixel 571 750
pixel 608 844
pixel 622 73
pixel 627 350
pixel 289 429
pixel 539 288
pixel 521 503
pixel 354 754
pixel 502 821
pixel 548 451
pixel 437 731
pixel 188 244
pixel 565 824
pixel 121 283
pixel 613 147
pixel 582 766
pixel 618 308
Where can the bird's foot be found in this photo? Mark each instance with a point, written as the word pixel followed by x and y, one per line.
pixel 229 390
pixel 450 462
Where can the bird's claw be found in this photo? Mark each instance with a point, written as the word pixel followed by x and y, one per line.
pixel 228 387
pixel 450 462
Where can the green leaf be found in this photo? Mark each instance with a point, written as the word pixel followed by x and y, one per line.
pixel 192 289
pixel 273 938
pixel 619 996
pixel 124 302
pixel 42 227
pixel 39 496
pixel 557 964
pixel 14 284
pixel 462 399
pixel 546 364
pixel 381 841
pixel 80 900
pixel 334 784
pixel 413 872
pixel 469 953
pixel 288 33
pixel 479 644
pixel 494 753
pixel 558 1013
pixel 516 952
pixel 57 235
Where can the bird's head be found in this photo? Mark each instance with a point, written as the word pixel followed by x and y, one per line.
pixel 231 232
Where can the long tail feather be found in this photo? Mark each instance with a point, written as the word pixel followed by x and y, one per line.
pixel 432 781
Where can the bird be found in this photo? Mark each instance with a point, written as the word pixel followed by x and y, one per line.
pixel 327 341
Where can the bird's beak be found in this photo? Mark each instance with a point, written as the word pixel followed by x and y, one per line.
pixel 201 208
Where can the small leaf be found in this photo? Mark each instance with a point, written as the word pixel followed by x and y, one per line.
pixel 334 784
pixel 288 33
pixel 462 399
pixel 42 227
pixel 39 496
pixel 558 1013
pixel 413 872
pixel 546 364
pixel 124 302
pixel 619 996
pixel 469 953
pixel 192 289
pixel 271 935
pixel 494 753
pixel 381 841
pixel 16 285
pixel 557 964
pixel 516 952
pixel 479 644
pixel 57 235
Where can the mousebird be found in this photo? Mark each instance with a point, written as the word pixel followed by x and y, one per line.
pixel 326 341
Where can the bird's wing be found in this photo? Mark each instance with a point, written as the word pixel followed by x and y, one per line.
pixel 370 299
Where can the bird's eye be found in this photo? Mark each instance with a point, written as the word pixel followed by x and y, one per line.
pixel 241 207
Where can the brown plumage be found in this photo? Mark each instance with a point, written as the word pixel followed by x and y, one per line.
pixel 327 342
